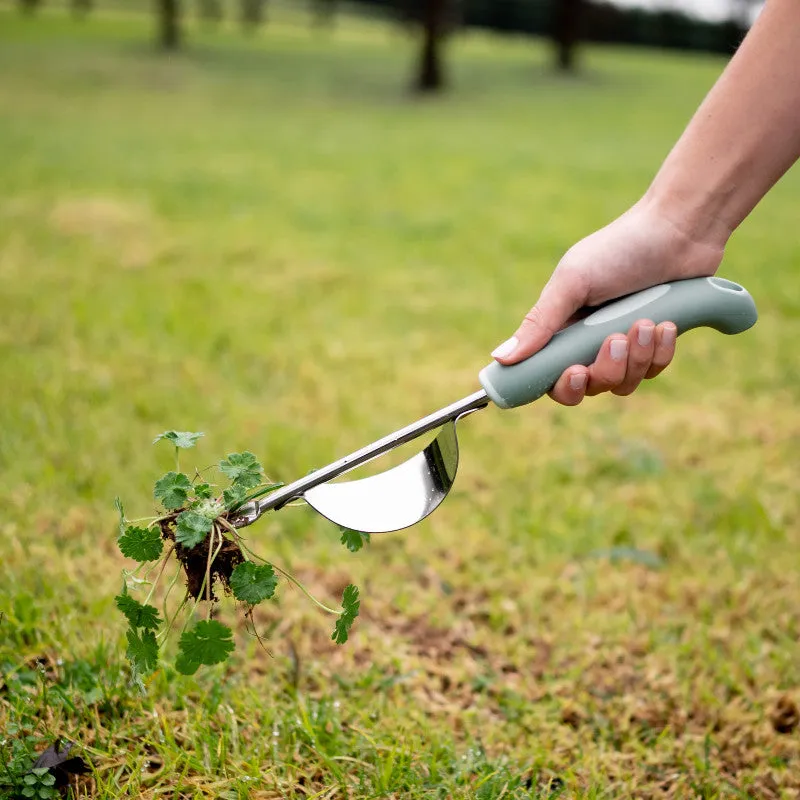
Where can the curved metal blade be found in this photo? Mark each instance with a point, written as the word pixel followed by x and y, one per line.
pixel 396 498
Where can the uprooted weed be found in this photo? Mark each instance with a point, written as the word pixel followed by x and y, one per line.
pixel 199 530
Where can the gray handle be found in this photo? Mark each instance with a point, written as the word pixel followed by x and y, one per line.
pixel 713 302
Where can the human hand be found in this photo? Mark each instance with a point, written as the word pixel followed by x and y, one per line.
pixel 642 248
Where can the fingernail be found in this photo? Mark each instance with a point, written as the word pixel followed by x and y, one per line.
pixel 668 335
pixel 577 382
pixel 505 349
pixel 619 349
pixel 645 335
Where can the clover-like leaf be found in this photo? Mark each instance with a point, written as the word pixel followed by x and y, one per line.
pixel 141 544
pixel 251 583
pixel 353 540
pixel 185 666
pixel 202 491
pixel 139 615
pixel 243 469
pixel 191 528
pixel 233 496
pixel 142 651
pixel 348 614
pixel 180 438
pixel 172 490
pixel 209 642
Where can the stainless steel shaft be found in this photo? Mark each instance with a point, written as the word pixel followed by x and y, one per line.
pixel 252 511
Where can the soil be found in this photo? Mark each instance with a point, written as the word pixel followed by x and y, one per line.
pixel 195 561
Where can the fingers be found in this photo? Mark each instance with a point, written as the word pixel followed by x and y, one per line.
pixel 563 295
pixel 570 388
pixel 666 334
pixel 621 364
pixel 641 342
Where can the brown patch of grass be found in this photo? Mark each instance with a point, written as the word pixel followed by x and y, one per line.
pixel 125 229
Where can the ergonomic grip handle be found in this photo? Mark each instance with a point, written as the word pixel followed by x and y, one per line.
pixel 713 302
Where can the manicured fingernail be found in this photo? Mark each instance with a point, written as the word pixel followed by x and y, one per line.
pixel 577 382
pixel 645 335
pixel 668 335
pixel 619 349
pixel 505 349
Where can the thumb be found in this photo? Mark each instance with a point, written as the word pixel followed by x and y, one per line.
pixel 559 300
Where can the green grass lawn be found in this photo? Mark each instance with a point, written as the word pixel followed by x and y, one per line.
pixel 270 241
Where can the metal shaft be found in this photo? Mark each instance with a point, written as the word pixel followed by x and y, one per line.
pixel 365 454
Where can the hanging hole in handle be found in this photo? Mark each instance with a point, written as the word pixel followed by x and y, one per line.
pixel 722 283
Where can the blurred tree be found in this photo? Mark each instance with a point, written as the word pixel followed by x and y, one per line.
pixel 252 12
pixel 80 8
pixel 436 18
pixel 210 11
pixel 29 6
pixel 324 12
pixel 566 31
pixel 169 24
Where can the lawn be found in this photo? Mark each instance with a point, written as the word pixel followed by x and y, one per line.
pixel 268 240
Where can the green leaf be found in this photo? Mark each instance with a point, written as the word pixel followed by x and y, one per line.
pixel 348 614
pixel 138 614
pixel 251 583
pixel 191 528
pixel 202 491
pixel 243 469
pixel 142 651
pixel 185 666
pixel 209 642
pixel 179 438
pixel 353 540
pixel 29 791
pixel 172 490
pixel 233 496
pixel 141 544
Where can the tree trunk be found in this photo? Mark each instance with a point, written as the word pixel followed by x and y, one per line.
pixel 433 18
pixel 324 13
pixel 566 27
pixel 252 14
pixel 169 20
pixel 210 11
pixel 80 8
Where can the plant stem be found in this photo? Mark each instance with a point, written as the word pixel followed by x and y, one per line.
pixel 208 563
pixel 236 537
pixel 160 573
pixel 169 590
pixel 165 632
pixel 303 589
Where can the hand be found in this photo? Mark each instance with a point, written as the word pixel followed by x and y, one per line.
pixel 642 248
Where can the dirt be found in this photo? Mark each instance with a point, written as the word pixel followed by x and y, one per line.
pixel 785 715
pixel 195 562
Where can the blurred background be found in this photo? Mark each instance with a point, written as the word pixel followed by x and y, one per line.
pixel 710 25
pixel 298 226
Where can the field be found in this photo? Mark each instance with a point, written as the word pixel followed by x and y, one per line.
pixel 267 239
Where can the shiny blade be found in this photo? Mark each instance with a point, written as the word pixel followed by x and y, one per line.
pixel 387 502
pixel 396 498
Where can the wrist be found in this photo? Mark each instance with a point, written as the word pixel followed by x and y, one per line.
pixel 695 215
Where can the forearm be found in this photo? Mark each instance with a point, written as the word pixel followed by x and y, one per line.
pixel 744 136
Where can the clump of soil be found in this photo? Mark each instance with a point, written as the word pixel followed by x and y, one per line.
pixel 195 560
pixel 785 715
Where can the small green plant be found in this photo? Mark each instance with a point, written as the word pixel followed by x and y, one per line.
pixel 195 531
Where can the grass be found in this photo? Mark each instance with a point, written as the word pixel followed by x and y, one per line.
pixel 270 241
